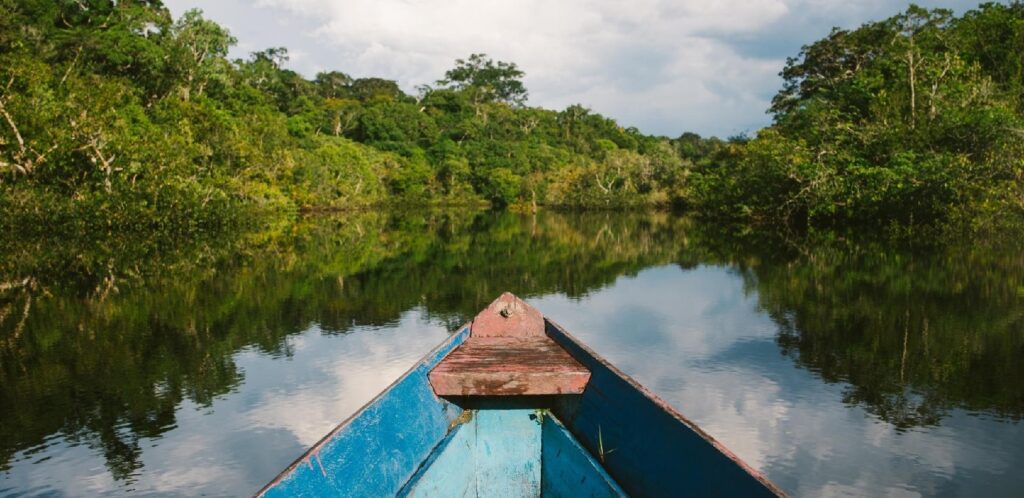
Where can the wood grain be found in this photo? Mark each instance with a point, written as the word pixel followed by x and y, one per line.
pixel 508 366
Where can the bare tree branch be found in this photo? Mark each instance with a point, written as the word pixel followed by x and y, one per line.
pixel 71 66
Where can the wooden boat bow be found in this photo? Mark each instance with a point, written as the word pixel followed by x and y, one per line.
pixel 513 405
pixel 508 354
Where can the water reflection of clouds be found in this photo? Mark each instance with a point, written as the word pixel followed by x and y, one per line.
pixel 343 378
pixel 246 438
pixel 696 337
pixel 716 360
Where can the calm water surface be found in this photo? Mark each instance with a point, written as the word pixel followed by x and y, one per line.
pixel 837 366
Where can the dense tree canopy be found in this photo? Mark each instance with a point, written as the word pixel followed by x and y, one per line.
pixel 916 118
pixel 116 114
pixel 112 113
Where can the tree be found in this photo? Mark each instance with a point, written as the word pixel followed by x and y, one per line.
pixel 333 84
pixel 488 80
pixel 993 37
pixel 199 50
pixel 500 185
pixel 368 89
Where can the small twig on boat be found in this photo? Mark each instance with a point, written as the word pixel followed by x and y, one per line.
pixel 600 445
pixel 321 464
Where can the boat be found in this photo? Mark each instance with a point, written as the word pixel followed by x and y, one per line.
pixel 513 405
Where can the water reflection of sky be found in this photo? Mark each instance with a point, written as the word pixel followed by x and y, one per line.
pixel 699 341
pixel 695 337
pixel 249 435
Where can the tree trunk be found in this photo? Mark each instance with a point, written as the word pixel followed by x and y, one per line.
pixel 913 84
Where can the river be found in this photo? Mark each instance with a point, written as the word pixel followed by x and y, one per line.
pixel 837 364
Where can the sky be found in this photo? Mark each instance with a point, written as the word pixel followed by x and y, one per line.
pixel 665 67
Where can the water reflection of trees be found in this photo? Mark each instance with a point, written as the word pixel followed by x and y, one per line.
pixel 101 341
pixel 911 332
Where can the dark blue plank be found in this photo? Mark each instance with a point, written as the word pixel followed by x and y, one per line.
pixel 568 470
pixel 648 448
pixel 379 448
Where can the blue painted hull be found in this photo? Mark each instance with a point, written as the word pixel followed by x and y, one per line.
pixel 615 439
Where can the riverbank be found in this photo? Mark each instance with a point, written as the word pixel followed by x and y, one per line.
pixel 184 143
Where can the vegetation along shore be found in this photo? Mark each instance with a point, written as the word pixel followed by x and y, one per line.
pixel 115 115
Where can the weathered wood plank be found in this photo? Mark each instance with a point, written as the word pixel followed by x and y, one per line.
pixel 508 316
pixel 496 366
pixel 508 354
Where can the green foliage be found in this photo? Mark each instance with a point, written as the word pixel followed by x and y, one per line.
pixel 117 110
pixel 199 50
pixel 487 80
pixel 914 119
pixel 339 173
pixel 114 114
pixel 501 185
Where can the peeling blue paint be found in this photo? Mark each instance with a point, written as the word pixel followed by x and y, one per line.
pixel 377 450
pixel 511 453
pixel 507 453
pixel 449 470
pixel 497 454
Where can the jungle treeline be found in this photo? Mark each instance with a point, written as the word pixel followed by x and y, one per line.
pixel 115 114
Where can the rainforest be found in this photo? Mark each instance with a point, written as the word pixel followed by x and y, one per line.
pixel 116 116
pixel 208 259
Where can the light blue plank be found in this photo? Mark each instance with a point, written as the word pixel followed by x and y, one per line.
pixel 496 454
pixel 568 470
pixel 450 470
pixel 381 447
pixel 508 451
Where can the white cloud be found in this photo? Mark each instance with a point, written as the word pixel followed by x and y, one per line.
pixel 664 66
pixel 650 63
